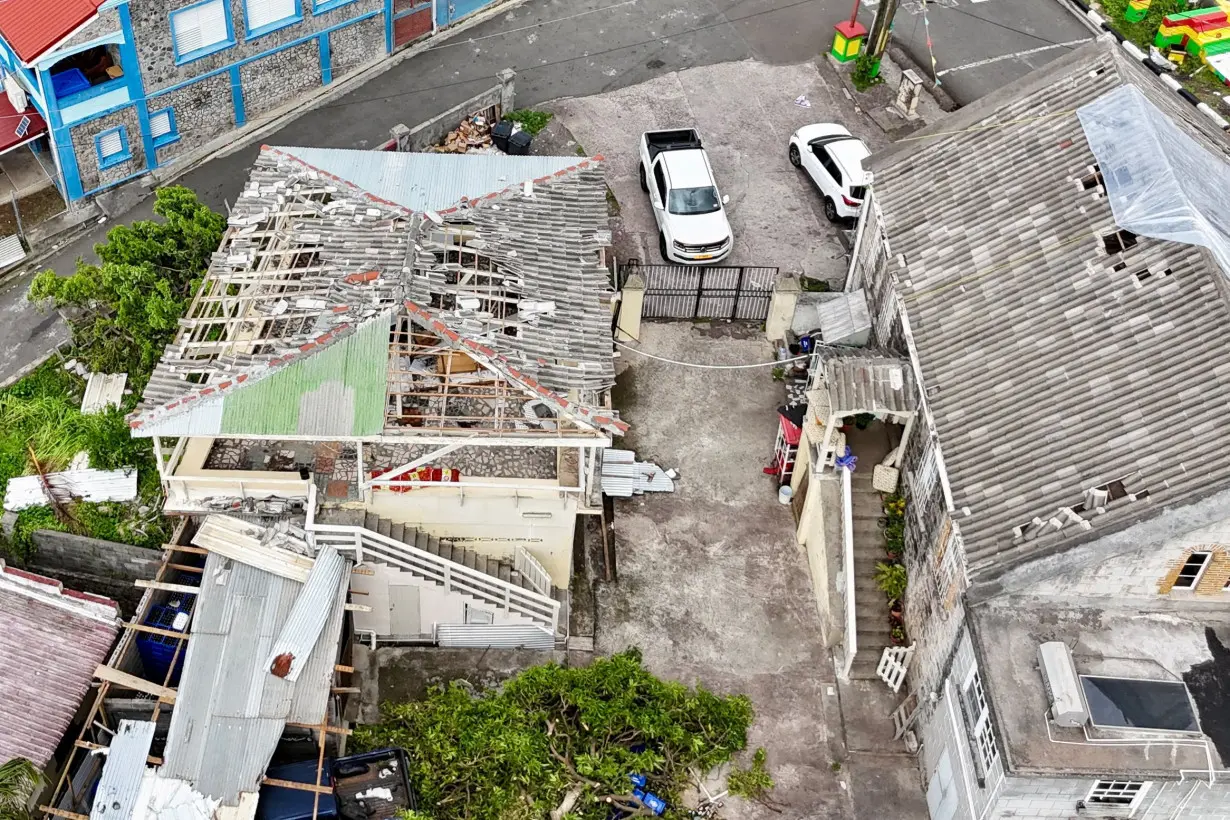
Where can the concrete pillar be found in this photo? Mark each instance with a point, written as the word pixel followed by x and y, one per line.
pixel 782 305
pixel 400 134
pixel 507 89
pixel 631 302
pixel 908 92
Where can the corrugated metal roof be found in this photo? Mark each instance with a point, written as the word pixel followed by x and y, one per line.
pixel 867 384
pixel 31 27
pixel 241 541
pixel 428 182
pixel 87 485
pixel 120 783
pixel 103 390
pixel 339 391
pixel 230 711
pixel 309 613
pixel 1051 365
pixel 11 251
pixel 51 641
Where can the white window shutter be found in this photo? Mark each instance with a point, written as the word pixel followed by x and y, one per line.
pixel 199 26
pixel 213 22
pixel 266 12
pixel 160 124
pixel 110 144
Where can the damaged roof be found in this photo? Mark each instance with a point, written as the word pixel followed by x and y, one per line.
pixel 51 641
pixel 1060 356
pixel 329 252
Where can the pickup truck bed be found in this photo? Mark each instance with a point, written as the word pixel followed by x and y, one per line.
pixel 683 139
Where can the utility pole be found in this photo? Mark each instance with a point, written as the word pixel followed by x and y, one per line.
pixel 881 27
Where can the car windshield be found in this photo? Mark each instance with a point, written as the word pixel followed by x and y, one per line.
pixel 694 201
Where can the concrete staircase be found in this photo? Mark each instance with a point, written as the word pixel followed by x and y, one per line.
pixel 871 609
pixel 500 569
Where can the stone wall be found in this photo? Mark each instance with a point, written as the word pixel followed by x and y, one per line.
pixel 355 46
pixel 107 22
pixel 93 565
pixel 87 152
pixel 203 110
pixel 488 462
pixel 152 30
pixel 272 81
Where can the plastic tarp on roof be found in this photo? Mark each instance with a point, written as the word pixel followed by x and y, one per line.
pixel 1161 182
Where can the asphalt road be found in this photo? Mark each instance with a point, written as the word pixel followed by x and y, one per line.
pixel 573 48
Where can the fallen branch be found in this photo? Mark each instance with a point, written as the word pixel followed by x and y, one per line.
pixel 570 800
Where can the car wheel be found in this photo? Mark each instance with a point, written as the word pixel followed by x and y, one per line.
pixel 830 209
pixel 644 181
pixel 795 159
pixel 662 247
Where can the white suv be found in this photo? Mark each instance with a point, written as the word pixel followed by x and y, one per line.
pixel 675 172
pixel 833 158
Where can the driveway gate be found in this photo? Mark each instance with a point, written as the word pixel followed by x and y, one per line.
pixel 686 292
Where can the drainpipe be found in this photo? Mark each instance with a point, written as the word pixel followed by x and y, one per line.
pixel 845 465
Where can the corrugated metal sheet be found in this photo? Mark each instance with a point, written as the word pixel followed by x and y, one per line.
pixel 229 537
pixel 340 391
pixel 865 384
pixel 88 485
pixel 499 636
pixel 11 251
pixel 103 390
pixel 623 476
pixel 309 613
pixel 50 642
pixel 123 772
pixel 230 711
pixel 428 182
pixel 166 798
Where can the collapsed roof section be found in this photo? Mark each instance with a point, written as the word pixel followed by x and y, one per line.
pixel 336 310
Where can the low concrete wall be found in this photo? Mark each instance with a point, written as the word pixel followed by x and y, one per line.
pixel 94 565
pixel 424 135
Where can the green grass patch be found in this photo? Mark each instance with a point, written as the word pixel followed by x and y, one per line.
pixel 1141 33
pixel 531 120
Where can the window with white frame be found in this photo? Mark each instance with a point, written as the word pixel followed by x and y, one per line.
pixel 112 147
pixel 980 718
pixel 266 15
pixel 162 127
pixel 1192 570
pixel 1125 793
pixel 201 29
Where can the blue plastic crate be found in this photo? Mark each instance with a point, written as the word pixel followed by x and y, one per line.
pixel 156 651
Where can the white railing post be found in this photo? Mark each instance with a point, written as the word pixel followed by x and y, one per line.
pixel 845 464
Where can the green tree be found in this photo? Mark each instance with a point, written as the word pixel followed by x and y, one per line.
pixel 125 310
pixel 561 742
pixel 19 778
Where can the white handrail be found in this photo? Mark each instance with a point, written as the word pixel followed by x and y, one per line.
pixel 532 570
pixel 847 551
pixel 539 608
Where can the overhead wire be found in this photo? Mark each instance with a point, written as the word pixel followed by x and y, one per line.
pixel 700 366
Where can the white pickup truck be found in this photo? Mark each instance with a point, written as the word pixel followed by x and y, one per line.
pixel 692 224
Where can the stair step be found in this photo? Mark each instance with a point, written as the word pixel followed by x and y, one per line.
pixel 427 542
pixel 504 572
pixel 371 521
pixel 385 527
pixel 471 559
pixel 398 533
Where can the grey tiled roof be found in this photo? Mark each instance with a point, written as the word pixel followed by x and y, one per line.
pixel 1051 366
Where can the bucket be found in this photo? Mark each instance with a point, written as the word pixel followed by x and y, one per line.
pixel 784 494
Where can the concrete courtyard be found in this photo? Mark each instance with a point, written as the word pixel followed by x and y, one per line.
pixel 774 210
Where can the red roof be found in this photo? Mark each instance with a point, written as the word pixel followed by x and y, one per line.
pixel 31 27
pixel 51 642
pixel 10 120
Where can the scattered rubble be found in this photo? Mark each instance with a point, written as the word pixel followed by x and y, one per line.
pixel 472 135
pixel 623 476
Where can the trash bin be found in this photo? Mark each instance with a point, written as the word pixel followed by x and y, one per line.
pixel 500 132
pixel 519 143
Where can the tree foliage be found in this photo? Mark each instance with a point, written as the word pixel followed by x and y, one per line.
pixel 19 778
pixel 125 310
pixel 556 736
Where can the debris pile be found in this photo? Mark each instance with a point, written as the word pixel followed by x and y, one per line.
pixel 474 134
pixel 623 476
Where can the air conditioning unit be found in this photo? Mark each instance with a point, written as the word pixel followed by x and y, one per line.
pixel 1063 687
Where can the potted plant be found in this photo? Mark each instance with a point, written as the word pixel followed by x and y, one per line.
pixel 896 612
pixel 891 579
pixel 897 636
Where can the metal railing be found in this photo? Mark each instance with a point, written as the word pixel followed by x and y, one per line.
pixel 531 570
pixel 542 610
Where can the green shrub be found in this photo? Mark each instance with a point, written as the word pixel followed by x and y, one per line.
pixel 755 782
pixel 865 74
pixel 891 579
pixel 532 121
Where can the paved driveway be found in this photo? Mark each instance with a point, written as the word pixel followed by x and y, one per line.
pixel 745 112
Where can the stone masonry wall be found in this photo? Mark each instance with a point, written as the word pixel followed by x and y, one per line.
pixel 271 81
pixel 93 565
pixel 355 46
pixel 152 29
pixel 87 153
pixel 107 22
pixel 489 462
pixel 203 110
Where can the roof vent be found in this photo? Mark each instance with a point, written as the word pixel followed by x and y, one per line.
pixel 1063 690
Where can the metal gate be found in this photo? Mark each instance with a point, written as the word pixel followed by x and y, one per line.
pixel 683 292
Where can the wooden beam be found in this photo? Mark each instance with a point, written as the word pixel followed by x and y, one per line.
pixel 186 568
pixel 85 744
pixel 345 690
pixel 358 608
pixel 153 630
pixel 112 675
pixel 336 730
pixel 340 668
pixel 72 815
pixel 291 784
pixel 186 548
pixel 163 585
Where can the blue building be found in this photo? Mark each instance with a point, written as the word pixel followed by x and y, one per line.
pixel 105 91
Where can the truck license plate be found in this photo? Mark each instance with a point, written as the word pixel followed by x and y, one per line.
pixel 704 256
